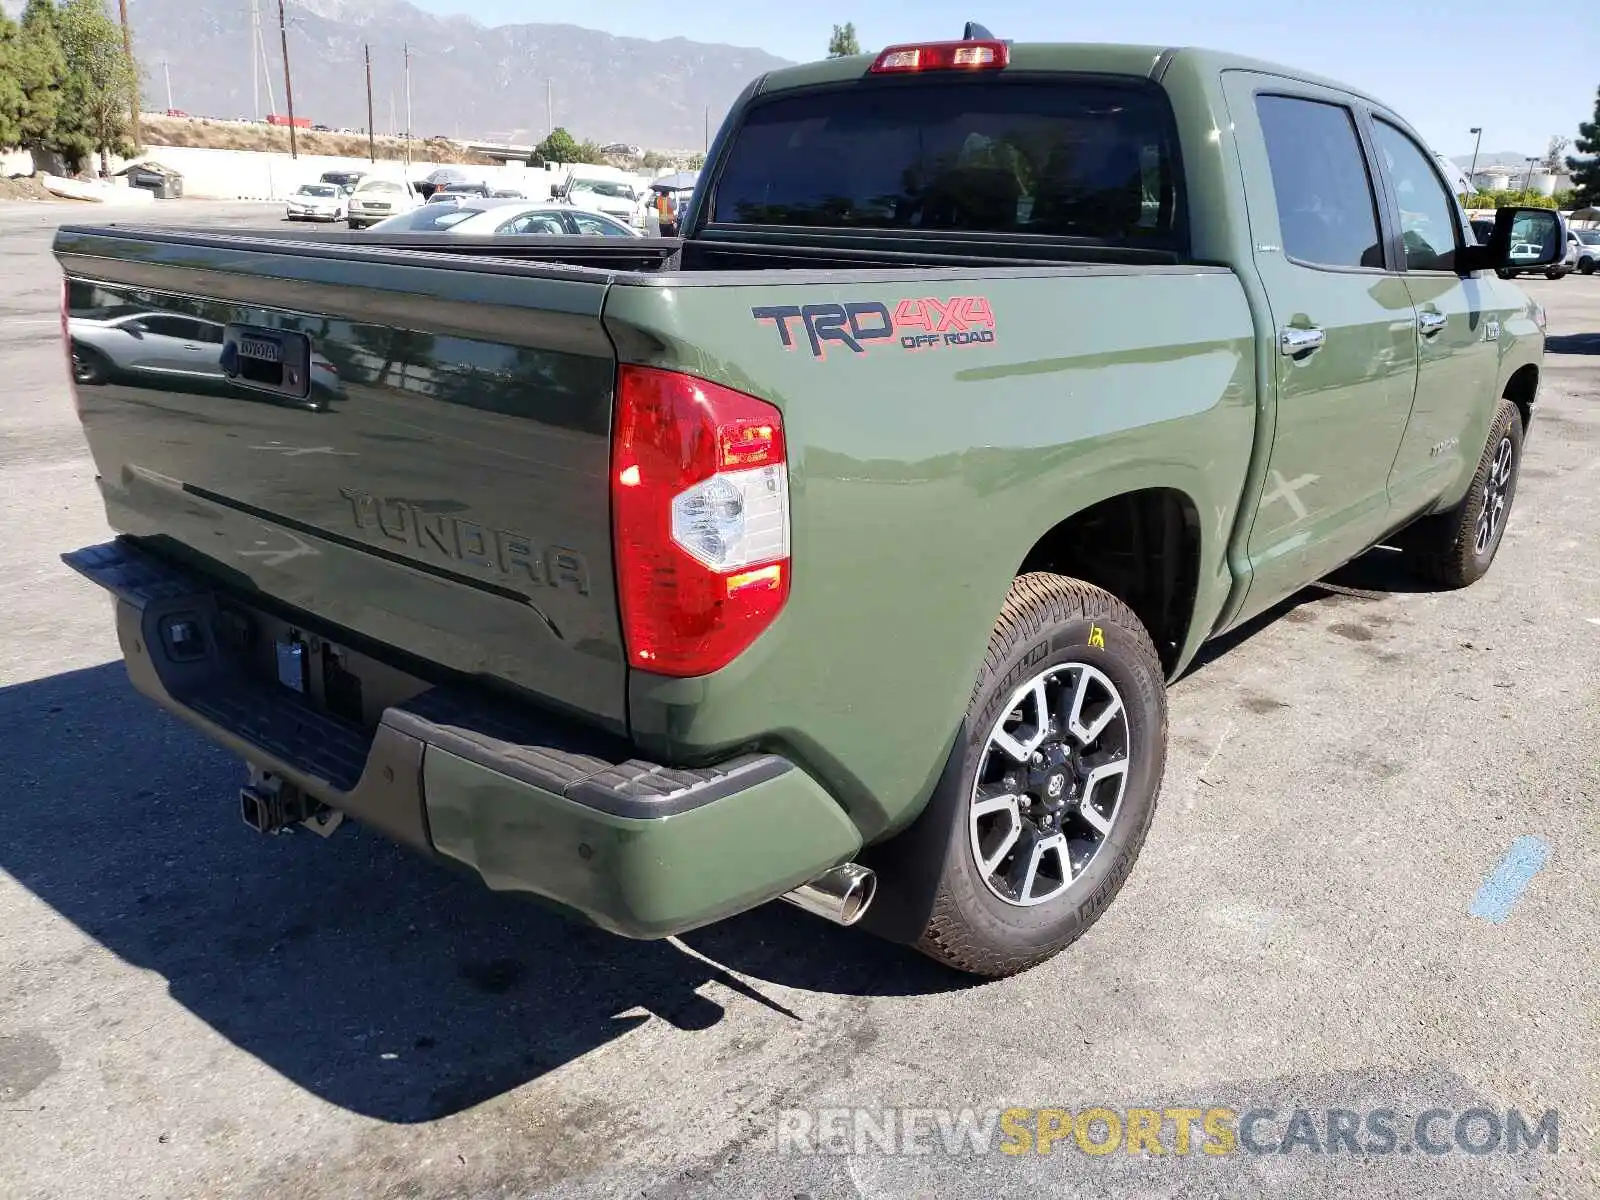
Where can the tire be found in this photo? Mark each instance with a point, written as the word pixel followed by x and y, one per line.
pixel 1452 549
pixel 1086 647
pixel 1586 267
pixel 89 366
pixel 1504 274
pixel 1555 274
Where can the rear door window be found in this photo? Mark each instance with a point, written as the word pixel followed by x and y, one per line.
pixel 1081 159
pixel 1326 211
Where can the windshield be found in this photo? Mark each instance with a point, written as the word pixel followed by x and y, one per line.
pixel 381 187
pixel 603 187
pixel 324 190
pixel 1065 158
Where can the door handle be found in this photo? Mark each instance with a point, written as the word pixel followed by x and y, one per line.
pixel 1429 324
pixel 1293 342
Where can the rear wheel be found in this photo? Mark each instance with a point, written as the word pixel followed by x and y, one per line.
pixel 1455 549
pixel 1555 274
pixel 1587 266
pixel 89 366
pixel 1055 782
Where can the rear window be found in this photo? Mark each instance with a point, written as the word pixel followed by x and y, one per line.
pixel 1064 158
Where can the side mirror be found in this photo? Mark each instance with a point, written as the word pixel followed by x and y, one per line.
pixel 1524 239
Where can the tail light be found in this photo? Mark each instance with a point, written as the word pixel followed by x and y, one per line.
pixel 700 506
pixel 976 55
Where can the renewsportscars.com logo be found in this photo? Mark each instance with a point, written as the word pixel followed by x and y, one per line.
pixel 859 325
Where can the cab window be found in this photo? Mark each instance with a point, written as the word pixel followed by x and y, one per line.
pixel 1429 217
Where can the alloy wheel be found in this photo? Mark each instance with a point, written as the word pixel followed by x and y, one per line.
pixel 1050 783
pixel 1496 491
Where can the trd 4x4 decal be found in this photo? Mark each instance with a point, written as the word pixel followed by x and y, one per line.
pixel 859 325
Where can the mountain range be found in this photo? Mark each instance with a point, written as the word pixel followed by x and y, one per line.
pixel 506 83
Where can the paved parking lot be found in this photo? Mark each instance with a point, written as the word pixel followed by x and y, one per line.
pixel 188 1009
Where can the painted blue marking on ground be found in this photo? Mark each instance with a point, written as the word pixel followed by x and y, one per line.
pixel 1510 879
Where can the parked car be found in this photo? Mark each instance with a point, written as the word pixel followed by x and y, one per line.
pixel 612 197
pixel 377 197
pixel 317 202
pixel 344 179
pixel 546 218
pixel 462 187
pixel 1529 251
pixel 166 183
pixel 1587 254
pixel 580 632
pixel 436 216
pixel 143 343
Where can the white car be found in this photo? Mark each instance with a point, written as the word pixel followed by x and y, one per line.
pixel 376 199
pixel 548 219
pixel 144 343
pixel 609 197
pixel 317 202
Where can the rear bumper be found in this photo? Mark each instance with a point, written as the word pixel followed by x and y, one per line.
pixel 530 803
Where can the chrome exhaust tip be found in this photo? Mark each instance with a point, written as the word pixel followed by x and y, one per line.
pixel 841 894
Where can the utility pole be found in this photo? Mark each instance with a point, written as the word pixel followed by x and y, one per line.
pixel 288 87
pixel 372 137
pixel 1528 183
pixel 166 73
pixel 707 146
pixel 407 48
pixel 255 60
pixel 127 48
pixel 1472 174
pixel 549 107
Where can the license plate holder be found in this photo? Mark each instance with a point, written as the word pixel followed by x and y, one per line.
pixel 277 361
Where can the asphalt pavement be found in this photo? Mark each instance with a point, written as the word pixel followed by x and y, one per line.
pixel 1326 917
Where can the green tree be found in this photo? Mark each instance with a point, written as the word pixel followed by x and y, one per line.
pixel 1586 170
pixel 559 147
pixel 843 42
pixel 99 86
pixel 32 72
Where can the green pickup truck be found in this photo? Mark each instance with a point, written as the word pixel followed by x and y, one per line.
pixel 838 550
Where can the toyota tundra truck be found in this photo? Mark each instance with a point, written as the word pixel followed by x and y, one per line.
pixel 841 548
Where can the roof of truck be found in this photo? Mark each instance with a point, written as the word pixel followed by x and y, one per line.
pixel 1091 57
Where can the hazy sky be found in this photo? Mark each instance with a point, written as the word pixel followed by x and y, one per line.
pixel 1444 67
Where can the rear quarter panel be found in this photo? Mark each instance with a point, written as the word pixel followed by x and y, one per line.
pixel 920 480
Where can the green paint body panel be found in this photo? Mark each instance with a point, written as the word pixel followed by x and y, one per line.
pixel 920 481
pixel 643 878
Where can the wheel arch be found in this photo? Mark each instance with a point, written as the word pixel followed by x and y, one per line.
pixel 1522 389
pixel 1142 546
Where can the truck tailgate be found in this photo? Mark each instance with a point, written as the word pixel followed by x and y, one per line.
pixel 409 448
